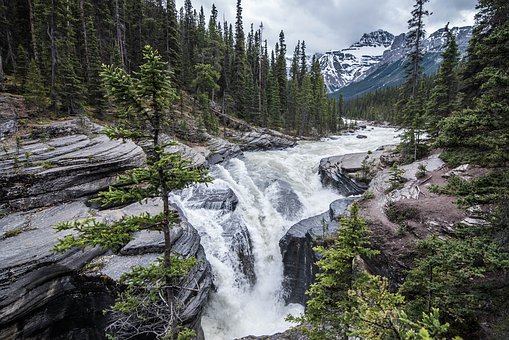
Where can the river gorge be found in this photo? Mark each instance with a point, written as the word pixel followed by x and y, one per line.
pixel 263 194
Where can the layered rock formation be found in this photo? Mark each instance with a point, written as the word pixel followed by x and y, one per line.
pixel 36 173
pixel 348 174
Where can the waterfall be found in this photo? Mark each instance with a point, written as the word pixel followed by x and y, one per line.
pixel 242 216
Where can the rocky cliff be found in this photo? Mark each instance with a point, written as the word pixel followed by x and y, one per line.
pixel 297 249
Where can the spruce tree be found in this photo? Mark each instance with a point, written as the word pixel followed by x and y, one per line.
pixel 144 105
pixel 239 66
pixel 444 93
pixel 328 310
pixel 35 92
pixel 413 103
pixel 479 133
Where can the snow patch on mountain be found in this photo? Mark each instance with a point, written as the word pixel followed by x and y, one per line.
pixel 377 49
pixel 351 64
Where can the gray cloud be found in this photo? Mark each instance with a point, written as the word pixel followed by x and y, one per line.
pixel 334 24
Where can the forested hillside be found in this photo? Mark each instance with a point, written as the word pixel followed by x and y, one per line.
pixel 52 51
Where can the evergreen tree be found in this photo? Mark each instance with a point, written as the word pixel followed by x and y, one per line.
pixel 413 103
pixel 414 40
pixel 479 133
pixel 239 66
pixel 328 310
pixel 444 94
pixel 144 105
pixel 173 39
pixel 35 92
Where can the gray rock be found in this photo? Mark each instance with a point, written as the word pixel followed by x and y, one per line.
pixel 45 294
pixel 221 150
pixel 361 136
pixel 262 139
pixel 235 232
pixel 297 250
pixel 41 173
pixel 149 246
pixel 223 199
pixel 12 108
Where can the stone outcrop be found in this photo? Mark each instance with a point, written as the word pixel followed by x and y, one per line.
pixel 37 173
pixel 348 174
pixel 297 250
pixel 261 139
pixel 219 150
pixel 33 280
pixel 12 109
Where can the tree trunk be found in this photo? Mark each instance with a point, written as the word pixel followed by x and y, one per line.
pixel 2 87
pixel 32 30
pixel 54 55
pixel 85 38
pixel 119 37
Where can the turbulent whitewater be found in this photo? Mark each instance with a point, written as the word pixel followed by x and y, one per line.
pixel 242 216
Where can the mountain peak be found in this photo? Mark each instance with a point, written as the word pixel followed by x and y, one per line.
pixel 377 38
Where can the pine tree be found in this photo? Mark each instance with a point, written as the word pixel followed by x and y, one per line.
pixel 239 66
pixel 174 48
pixel 35 92
pixel 444 94
pixel 327 312
pixel 21 66
pixel 144 107
pixel 479 132
pixel 413 104
pixel 414 40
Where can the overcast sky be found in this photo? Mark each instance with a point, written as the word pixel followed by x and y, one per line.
pixel 335 24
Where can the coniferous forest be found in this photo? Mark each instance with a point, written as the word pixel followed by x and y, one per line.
pixel 52 54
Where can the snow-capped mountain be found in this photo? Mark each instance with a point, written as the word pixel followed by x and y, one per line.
pixel 377 60
pixel 351 64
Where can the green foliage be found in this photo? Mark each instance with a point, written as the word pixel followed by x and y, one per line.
pixel 326 315
pixel 13 232
pixel 398 212
pixel 90 232
pixel 478 133
pixel 367 195
pixel 396 178
pixel 379 314
pixel 35 93
pixel 443 99
pixel 144 305
pixel 421 171
pixel 448 276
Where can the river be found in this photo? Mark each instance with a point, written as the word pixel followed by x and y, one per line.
pixel 274 189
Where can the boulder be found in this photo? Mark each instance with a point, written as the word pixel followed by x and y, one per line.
pixel 220 150
pixel 223 199
pixel 342 172
pixel 262 139
pixel 37 173
pixel 297 250
pixel 12 108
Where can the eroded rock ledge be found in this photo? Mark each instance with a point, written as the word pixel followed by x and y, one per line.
pixel 297 250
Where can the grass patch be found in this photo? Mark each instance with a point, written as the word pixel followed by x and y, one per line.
pixel 13 232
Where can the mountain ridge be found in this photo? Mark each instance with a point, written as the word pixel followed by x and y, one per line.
pixel 377 60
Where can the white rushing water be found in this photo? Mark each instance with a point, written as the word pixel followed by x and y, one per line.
pixel 238 308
